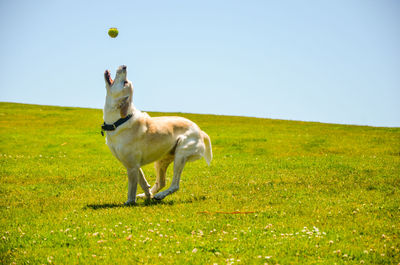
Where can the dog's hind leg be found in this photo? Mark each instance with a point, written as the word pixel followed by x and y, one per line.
pixel 161 167
pixel 189 148
pixel 179 164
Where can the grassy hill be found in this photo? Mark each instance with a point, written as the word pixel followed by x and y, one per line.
pixel 276 192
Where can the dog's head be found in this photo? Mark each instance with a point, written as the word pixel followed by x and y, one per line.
pixel 119 90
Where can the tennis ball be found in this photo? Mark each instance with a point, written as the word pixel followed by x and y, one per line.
pixel 113 32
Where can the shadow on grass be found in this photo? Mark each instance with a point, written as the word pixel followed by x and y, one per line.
pixel 146 203
pixel 104 206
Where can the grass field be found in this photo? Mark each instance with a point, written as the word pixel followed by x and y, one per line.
pixel 277 191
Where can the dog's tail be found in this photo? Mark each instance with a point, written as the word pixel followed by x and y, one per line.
pixel 208 152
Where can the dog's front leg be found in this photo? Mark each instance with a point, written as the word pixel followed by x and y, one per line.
pixel 133 177
pixel 145 185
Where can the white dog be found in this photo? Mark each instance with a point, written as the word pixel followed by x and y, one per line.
pixel 136 139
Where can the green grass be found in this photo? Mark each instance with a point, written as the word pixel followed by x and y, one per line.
pixel 320 193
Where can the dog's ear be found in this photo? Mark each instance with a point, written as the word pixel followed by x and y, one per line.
pixel 108 79
pixel 124 107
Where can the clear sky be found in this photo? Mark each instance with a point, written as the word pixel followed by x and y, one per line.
pixel 328 61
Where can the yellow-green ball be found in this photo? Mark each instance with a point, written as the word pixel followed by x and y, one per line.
pixel 113 32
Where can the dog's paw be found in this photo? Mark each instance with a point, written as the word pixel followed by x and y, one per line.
pixel 144 196
pixel 159 196
pixel 129 203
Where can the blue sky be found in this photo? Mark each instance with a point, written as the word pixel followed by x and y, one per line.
pixel 327 61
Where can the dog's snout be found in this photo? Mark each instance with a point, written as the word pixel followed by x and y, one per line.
pixel 123 67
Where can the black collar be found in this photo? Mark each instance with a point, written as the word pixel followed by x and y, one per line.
pixel 112 127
